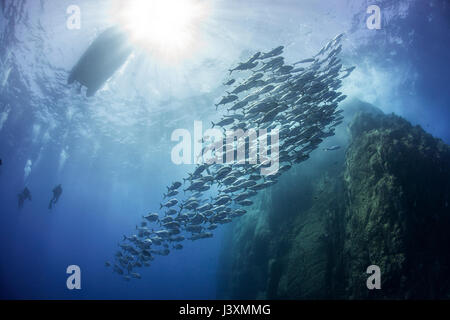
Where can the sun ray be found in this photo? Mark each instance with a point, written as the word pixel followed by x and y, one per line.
pixel 169 28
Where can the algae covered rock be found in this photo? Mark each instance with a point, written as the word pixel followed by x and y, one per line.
pixel 397 180
pixel 283 247
pixel 382 200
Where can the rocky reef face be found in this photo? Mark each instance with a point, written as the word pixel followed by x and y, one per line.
pixel 398 216
pixel 383 199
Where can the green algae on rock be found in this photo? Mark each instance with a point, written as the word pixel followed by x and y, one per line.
pixel 384 201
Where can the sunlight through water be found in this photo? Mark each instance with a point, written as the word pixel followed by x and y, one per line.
pixel 170 28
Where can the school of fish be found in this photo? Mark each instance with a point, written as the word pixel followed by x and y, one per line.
pixel 300 101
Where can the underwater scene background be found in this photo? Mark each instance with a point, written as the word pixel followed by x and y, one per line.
pixel 381 198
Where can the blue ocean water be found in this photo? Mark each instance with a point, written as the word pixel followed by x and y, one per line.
pixel 111 153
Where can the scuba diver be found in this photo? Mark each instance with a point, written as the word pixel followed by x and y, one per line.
pixel 56 194
pixel 24 195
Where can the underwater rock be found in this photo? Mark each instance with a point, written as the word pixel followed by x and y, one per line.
pixel 384 201
pixel 281 248
pixel 397 179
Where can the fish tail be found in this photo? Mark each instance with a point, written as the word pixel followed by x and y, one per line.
pixel 160 206
pixel 212 124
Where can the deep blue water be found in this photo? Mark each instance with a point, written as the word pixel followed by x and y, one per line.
pixel 111 153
